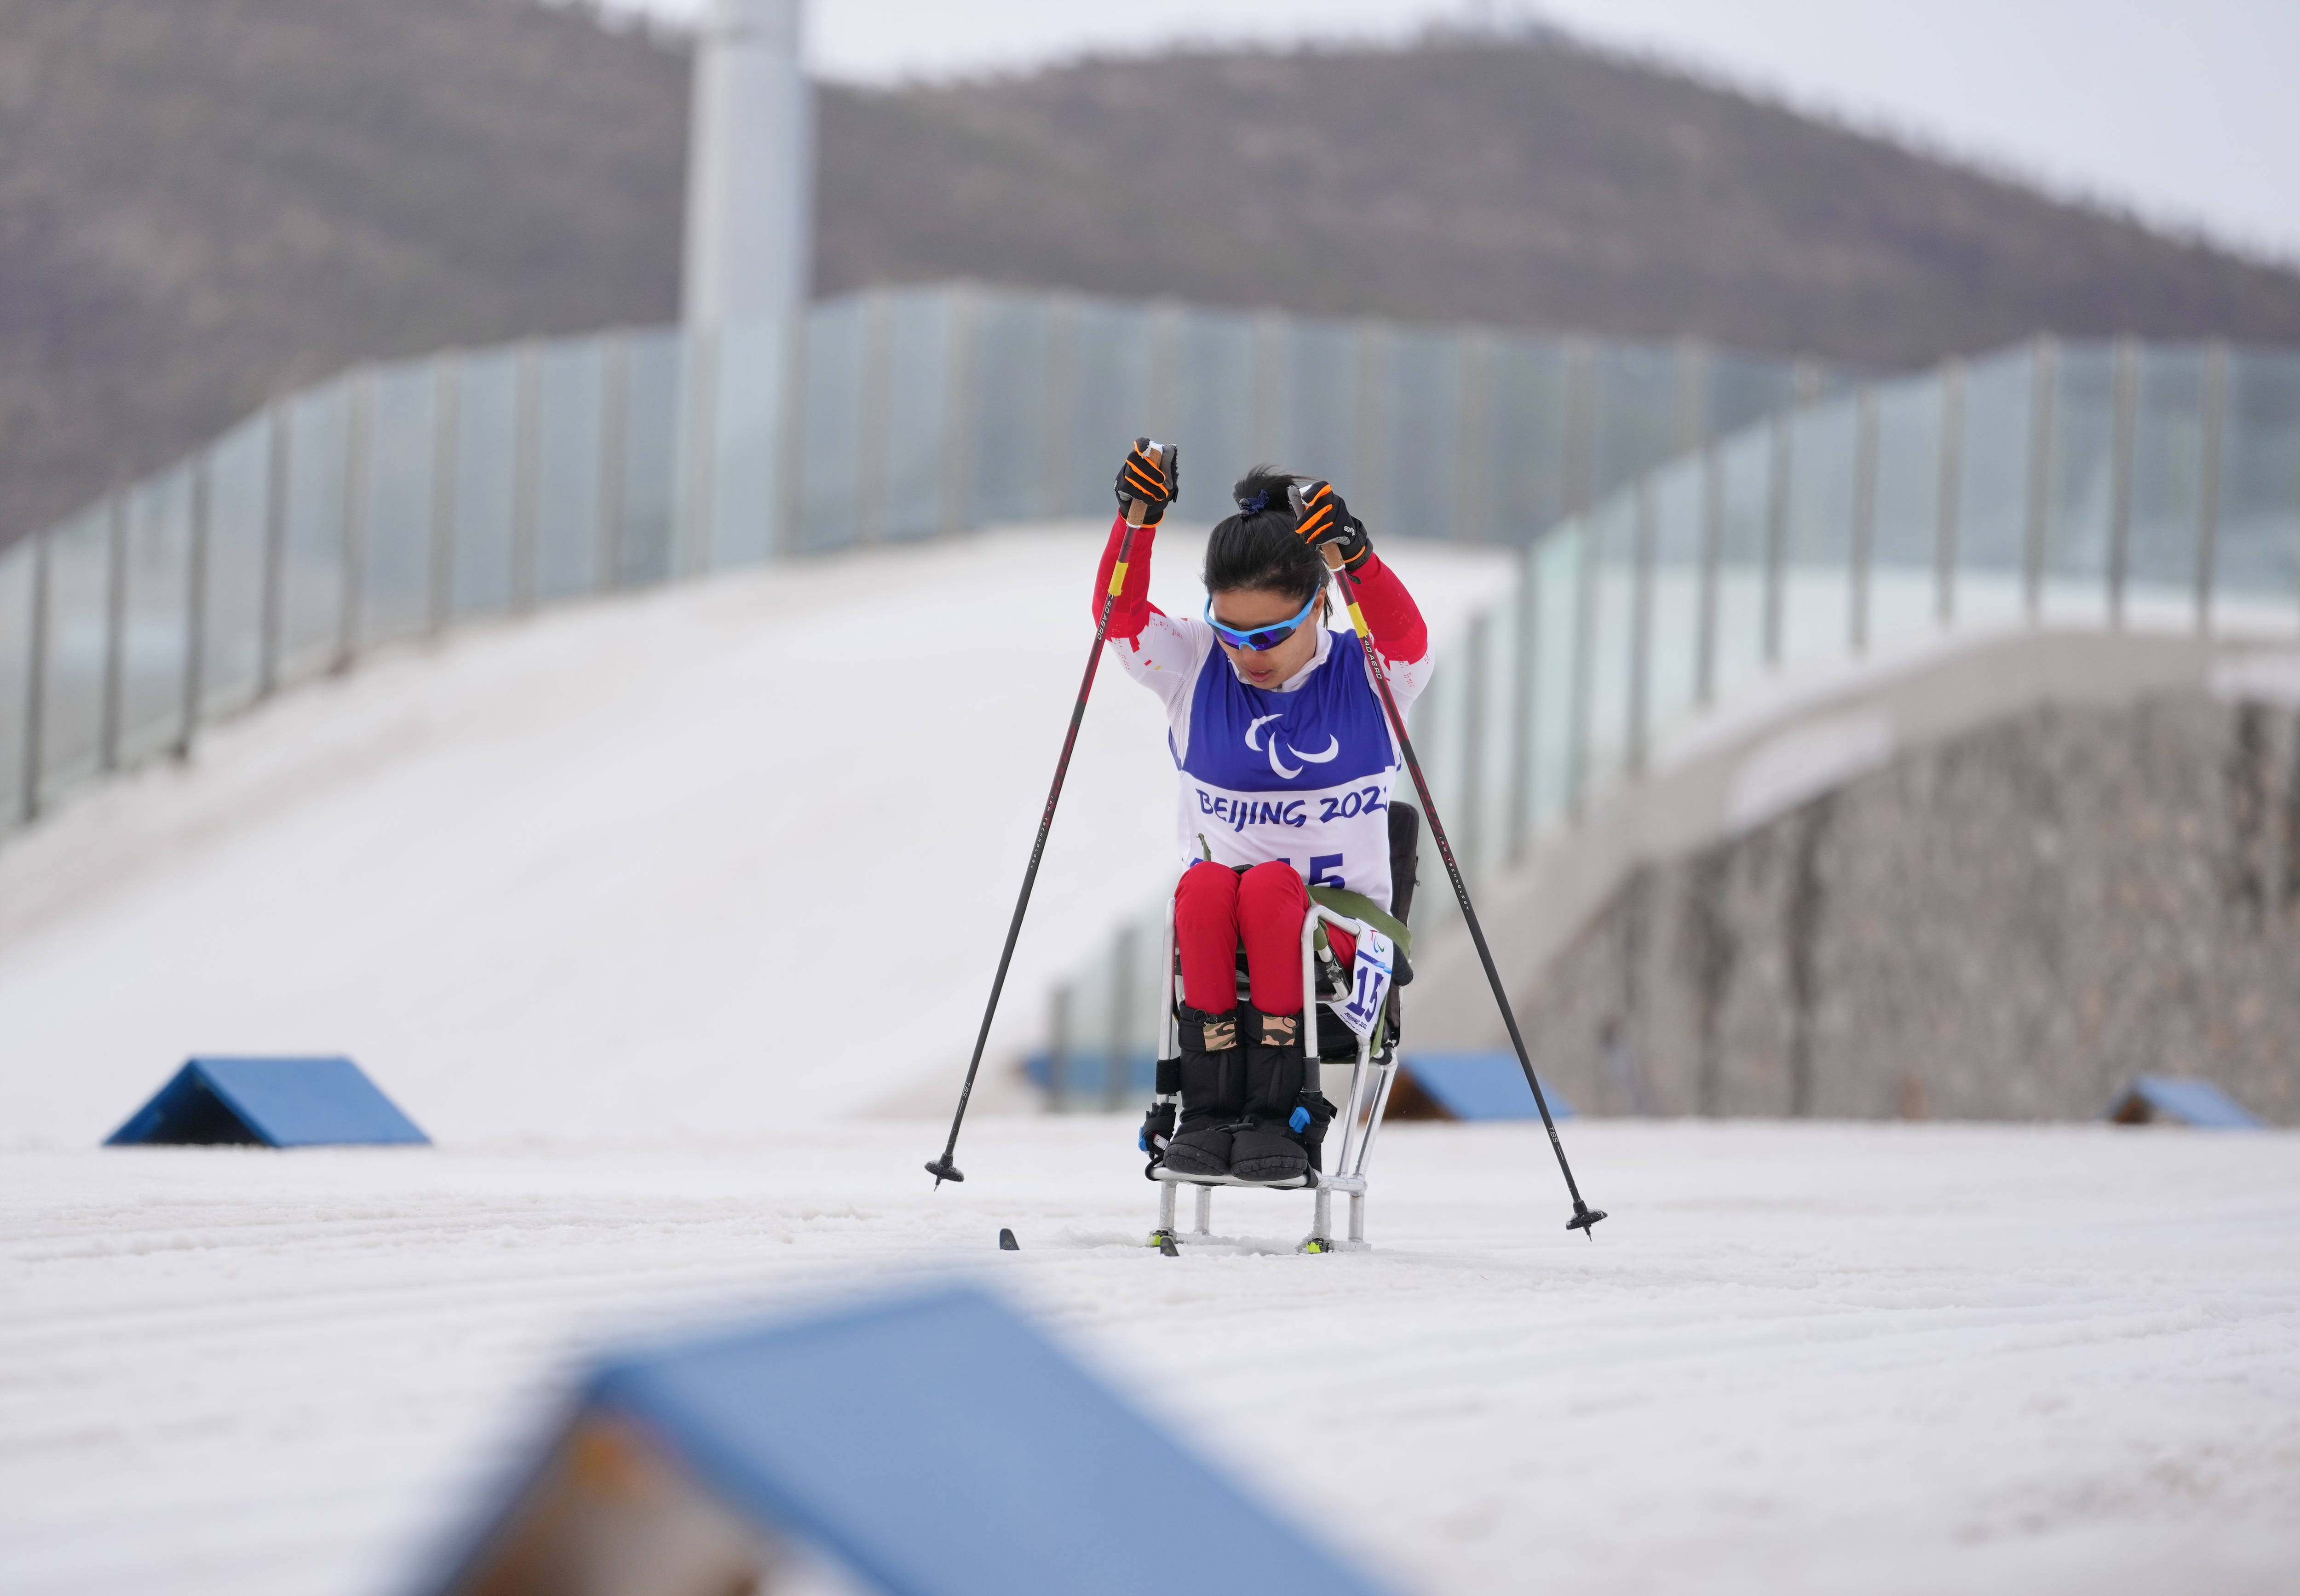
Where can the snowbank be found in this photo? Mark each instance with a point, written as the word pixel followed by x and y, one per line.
pixel 705 859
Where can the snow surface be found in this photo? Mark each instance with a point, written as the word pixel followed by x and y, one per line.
pixel 1815 1359
pixel 694 859
pixel 604 899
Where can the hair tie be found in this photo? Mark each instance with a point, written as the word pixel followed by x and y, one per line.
pixel 1255 505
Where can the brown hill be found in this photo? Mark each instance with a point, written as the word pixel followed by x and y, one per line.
pixel 203 201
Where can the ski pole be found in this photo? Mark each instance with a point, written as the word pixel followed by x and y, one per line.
pixel 1585 1218
pixel 943 1168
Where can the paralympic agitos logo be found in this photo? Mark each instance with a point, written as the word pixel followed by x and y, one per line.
pixel 1276 741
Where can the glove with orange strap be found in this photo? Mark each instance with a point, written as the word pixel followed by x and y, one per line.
pixel 1143 476
pixel 1326 520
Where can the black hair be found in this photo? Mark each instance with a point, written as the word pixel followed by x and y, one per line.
pixel 1258 547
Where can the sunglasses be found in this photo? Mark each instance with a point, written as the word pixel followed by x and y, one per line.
pixel 1260 638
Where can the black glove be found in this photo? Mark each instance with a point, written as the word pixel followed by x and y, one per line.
pixel 1157 1132
pixel 1326 520
pixel 1143 478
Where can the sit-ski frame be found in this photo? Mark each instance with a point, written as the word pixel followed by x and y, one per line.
pixel 1370 1079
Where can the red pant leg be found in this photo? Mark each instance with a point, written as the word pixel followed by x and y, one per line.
pixel 1272 900
pixel 1206 933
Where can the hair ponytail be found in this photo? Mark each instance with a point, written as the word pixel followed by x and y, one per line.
pixel 1258 547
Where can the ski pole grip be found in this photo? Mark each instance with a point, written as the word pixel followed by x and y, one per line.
pixel 1136 509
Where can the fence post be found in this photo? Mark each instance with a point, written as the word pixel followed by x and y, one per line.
pixel 2212 447
pixel 1712 556
pixel 1058 1046
pixel 447 471
pixel 1691 407
pixel 116 628
pixel 1160 397
pixel 273 603
pixel 1948 513
pixel 1641 627
pixel 1579 464
pixel 36 675
pixel 195 602
pixel 1059 434
pixel 1473 465
pixel 957 508
pixel 2127 422
pixel 1864 514
pixel 2043 384
pixel 1525 701
pixel 525 470
pixel 1777 532
pixel 1122 1016
pixel 358 432
pixel 614 401
pixel 691 537
pixel 1584 686
pixel 1266 422
pixel 1368 460
pixel 877 404
pixel 1471 805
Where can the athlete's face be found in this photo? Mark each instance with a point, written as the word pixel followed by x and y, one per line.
pixel 1247 609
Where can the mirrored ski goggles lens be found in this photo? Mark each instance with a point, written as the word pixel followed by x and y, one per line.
pixel 1262 638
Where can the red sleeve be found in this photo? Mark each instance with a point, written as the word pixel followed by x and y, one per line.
pixel 1391 614
pixel 1131 612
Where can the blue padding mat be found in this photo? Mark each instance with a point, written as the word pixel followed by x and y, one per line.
pixel 1488 1085
pixel 2182 1101
pixel 268 1102
pixel 939 1445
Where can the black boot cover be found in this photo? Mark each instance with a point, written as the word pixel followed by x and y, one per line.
pixel 1213 1094
pixel 1266 1148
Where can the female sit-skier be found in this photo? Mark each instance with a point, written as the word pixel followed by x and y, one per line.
pixel 1286 763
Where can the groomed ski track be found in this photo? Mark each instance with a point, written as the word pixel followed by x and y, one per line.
pixel 1799 1361
pixel 585 894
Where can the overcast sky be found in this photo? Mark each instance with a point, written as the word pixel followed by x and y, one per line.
pixel 2186 111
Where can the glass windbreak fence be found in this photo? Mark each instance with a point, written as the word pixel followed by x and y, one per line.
pixel 396 499
pixel 2111 485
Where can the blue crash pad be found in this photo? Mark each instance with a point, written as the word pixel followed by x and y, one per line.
pixel 269 1102
pixel 1485 1086
pixel 2181 1102
pixel 938 1444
